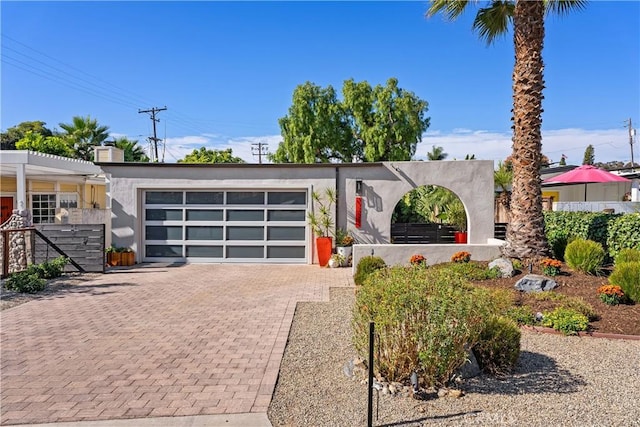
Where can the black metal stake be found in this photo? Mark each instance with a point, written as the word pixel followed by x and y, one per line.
pixel 370 383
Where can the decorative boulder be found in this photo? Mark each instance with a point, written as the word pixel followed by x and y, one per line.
pixel 505 266
pixel 535 283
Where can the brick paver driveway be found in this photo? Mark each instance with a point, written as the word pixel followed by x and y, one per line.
pixel 155 341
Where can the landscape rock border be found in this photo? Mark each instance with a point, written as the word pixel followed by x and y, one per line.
pixel 545 330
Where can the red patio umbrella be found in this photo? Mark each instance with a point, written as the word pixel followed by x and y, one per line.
pixel 584 174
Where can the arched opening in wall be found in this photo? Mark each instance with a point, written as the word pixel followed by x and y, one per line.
pixel 429 214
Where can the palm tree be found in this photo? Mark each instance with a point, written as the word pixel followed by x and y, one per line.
pixel 84 133
pixel 436 153
pixel 525 234
pixel 132 151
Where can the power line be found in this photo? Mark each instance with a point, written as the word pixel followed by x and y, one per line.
pixel 155 139
pixel 259 149
pixel 632 132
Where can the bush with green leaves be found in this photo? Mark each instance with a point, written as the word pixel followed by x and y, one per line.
pixel 562 227
pixel 521 315
pixel 498 348
pixel 366 266
pixel 35 277
pixel 27 281
pixel 426 319
pixel 52 269
pixel 585 255
pixel 627 276
pixel 574 303
pixel 565 320
pixel 628 255
pixel 624 232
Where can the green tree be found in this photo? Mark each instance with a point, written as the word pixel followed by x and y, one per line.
pixel 563 160
pixel 387 121
pixel 14 134
pixel 371 123
pixel 83 134
pixel 503 179
pixel 204 155
pixel 44 144
pixel 315 130
pixel 525 234
pixel 589 155
pixel 133 152
pixel 437 153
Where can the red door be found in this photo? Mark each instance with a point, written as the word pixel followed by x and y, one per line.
pixel 6 207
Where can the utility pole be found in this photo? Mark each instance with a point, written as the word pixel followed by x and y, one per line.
pixel 632 132
pixel 154 139
pixel 259 149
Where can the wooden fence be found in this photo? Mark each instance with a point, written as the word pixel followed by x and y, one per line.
pixel 402 233
pixel 83 244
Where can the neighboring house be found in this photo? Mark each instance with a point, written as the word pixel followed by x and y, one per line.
pixel 54 189
pixel 593 197
pixel 258 213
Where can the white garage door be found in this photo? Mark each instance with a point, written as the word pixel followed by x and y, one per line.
pixel 225 226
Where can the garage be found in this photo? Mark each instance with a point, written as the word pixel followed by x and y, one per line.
pixel 222 225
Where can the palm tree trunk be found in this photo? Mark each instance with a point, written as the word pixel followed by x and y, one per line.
pixel 525 234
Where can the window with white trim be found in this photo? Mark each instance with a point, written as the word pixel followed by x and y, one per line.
pixel 68 200
pixel 43 208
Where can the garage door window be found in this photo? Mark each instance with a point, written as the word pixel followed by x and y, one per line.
pixel 225 226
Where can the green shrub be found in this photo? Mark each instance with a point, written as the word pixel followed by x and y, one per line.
pixel 566 320
pixel 52 269
pixel 498 348
pixel 624 232
pixel 584 255
pixel 522 315
pixel 628 255
pixel 627 276
pixel 426 319
pixel 581 306
pixel 574 303
pixel 366 266
pixel 27 281
pixel 561 228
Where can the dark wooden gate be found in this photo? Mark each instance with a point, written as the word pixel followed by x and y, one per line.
pixel 406 233
pixel 83 244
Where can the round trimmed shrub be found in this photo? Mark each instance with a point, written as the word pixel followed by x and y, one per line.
pixel 584 255
pixel 628 255
pixel 366 267
pixel 627 276
pixel 498 349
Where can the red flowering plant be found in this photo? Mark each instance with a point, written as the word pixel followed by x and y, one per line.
pixel 550 266
pixel 611 294
pixel 461 257
pixel 418 259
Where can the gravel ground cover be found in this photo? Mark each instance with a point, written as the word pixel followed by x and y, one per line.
pixel 569 381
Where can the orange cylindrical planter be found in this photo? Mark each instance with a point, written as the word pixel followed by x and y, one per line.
pixel 128 258
pixel 324 246
pixel 114 258
pixel 460 236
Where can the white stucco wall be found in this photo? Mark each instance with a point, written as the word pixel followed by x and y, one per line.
pixel 384 184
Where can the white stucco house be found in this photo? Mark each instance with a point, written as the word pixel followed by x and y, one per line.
pixel 258 213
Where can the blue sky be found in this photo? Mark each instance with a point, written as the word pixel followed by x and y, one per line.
pixel 226 71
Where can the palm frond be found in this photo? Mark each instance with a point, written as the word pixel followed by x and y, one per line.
pixel 563 7
pixel 493 21
pixel 451 9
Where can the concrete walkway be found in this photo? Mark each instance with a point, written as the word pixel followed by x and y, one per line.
pixel 154 342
